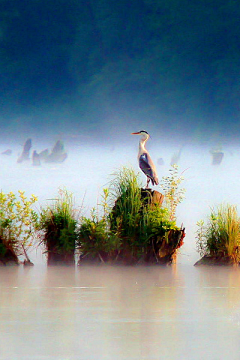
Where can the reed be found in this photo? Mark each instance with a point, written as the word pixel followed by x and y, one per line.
pixel 220 236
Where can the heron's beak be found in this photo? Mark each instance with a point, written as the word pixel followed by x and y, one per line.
pixel 137 133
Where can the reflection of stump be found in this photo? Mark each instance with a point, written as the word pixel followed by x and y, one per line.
pixel 26 151
pixel 217 157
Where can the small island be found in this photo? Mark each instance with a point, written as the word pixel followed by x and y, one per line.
pixel 133 228
pixel 218 240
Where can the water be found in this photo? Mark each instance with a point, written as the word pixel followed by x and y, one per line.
pixel 106 313
pixel 124 313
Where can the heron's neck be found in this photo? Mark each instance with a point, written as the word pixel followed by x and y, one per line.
pixel 142 148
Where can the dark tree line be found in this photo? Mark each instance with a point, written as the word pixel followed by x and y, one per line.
pixel 168 57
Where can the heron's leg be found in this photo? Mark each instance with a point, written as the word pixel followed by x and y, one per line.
pixel 148 180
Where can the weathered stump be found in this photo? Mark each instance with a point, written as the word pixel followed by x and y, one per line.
pixel 43 154
pixel 152 196
pixel 217 157
pixel 26 151
pixel 57 155
pixel 36 159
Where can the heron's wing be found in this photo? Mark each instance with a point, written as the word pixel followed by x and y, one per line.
pixel 147 166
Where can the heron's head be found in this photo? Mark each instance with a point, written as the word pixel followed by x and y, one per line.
pixel 145 134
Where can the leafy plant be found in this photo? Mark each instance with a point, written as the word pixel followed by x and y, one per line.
pixel 173 195
pixel 17 223
pixel 220 236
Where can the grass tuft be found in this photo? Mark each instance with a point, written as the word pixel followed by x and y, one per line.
pixel 220 236
pixel 58 224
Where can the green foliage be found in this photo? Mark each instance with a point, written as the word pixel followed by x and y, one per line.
pixel 129 219
pixel 134 218
pixel 58 224
pixel 173 195
pixel 96 238
pixel 156 222
pixel 17 222
pixel 94 235
pixel 220 236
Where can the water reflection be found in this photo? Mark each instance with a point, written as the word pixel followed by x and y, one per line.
pixel 119 313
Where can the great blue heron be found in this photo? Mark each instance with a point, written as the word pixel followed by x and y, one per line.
pixel 145 162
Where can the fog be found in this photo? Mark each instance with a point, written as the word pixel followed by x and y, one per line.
pixel 88 170
pixel 124 313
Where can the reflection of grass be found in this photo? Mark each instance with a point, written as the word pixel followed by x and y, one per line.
pixel 220 237
pixel 131 224
pixel 58 224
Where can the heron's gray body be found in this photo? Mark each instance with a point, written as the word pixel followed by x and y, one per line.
pixel 145 162
pixel 146 168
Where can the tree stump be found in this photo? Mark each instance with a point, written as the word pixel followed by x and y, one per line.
pixel 36 159
pixel 217 157
pixel 152 196
pixel 57 155
pixel 26 151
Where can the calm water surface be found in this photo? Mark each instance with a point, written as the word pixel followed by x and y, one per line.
pixel 107 313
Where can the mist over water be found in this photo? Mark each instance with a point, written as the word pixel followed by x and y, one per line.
pixel 122 313
pixel 90 167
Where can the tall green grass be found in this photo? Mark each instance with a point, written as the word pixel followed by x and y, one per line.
pixel 58 224
pixel 220 236
pixel 125 194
